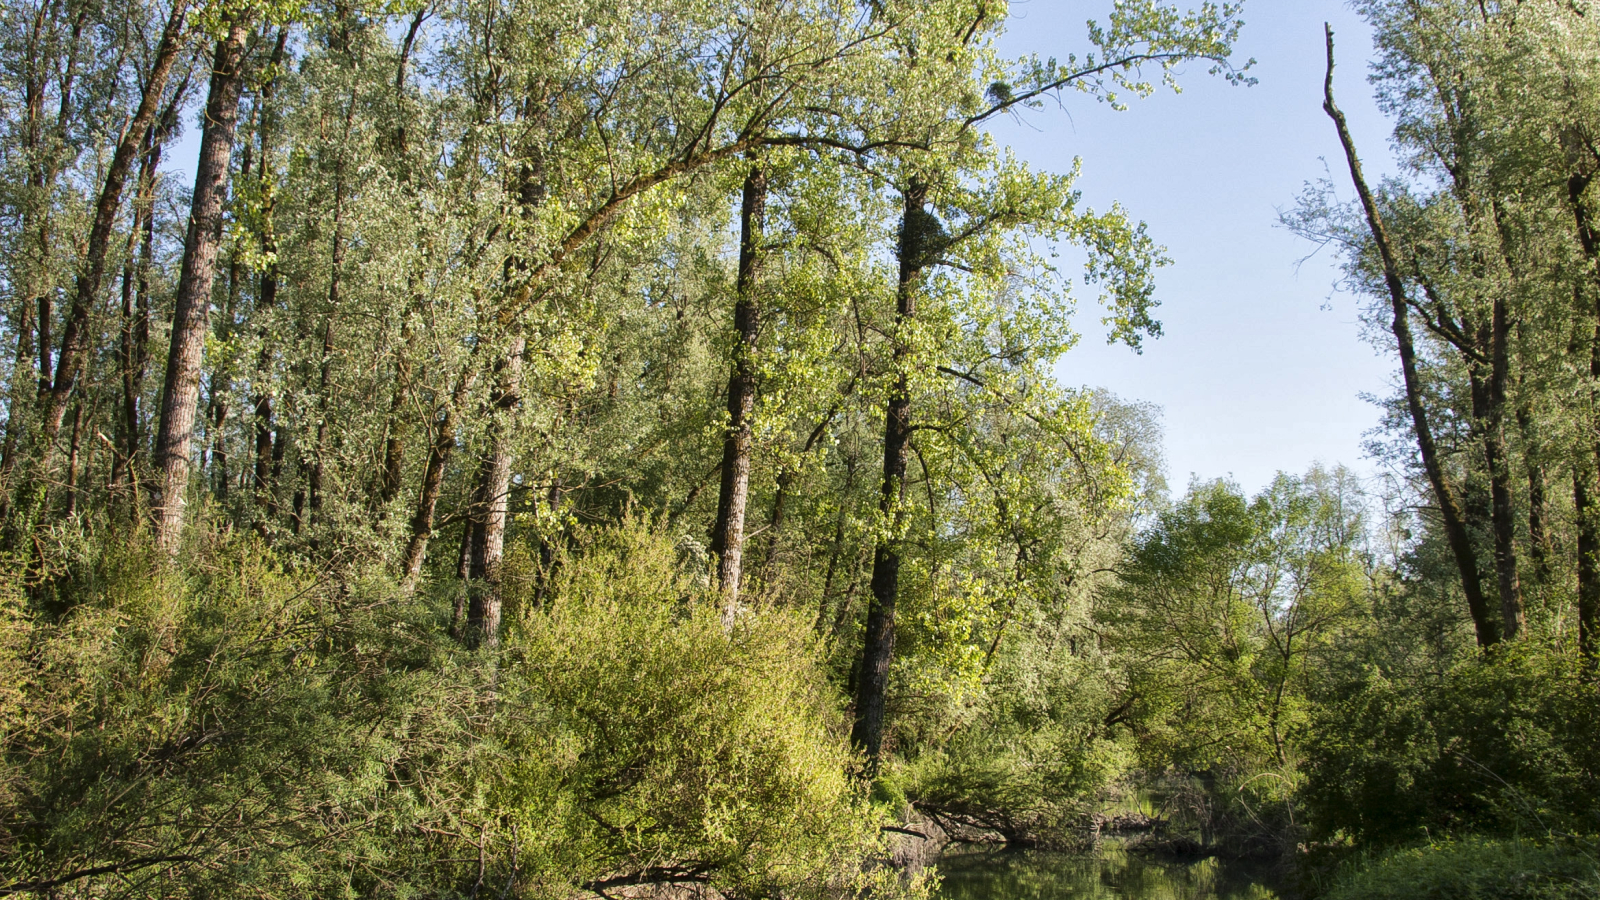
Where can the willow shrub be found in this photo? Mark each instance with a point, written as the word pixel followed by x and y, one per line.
pixel 233 725
pixel 638 739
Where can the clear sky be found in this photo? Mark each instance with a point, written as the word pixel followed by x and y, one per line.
pixel 1262 364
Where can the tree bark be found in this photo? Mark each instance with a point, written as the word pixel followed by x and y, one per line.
pixel 191 315
pixel 917 229
pixel 727 536
pixel 1485 624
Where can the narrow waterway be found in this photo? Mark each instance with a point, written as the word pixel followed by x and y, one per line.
pixel 1111 874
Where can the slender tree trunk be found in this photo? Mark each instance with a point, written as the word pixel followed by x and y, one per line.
pixel 394 445
pixel 1588 570
pixel 75 336
pixel 72 459
pixel 263 483
pixel 727 536
pixel 781 499
pixel 1485 623
pixel 877 650
pixel 134 337
pixel 1588 526
pixel 1502 509
pixel 1539 551
pixel 335 283
pixel 191 315
pixel 444 442
pixel 837 547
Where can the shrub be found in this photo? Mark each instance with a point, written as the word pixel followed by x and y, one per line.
pixel 227 726
pixel 1474 869
pixel 1502 743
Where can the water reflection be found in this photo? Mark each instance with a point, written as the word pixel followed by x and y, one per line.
pixel 1109 875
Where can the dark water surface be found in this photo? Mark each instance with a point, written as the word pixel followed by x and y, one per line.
pixel 1111 874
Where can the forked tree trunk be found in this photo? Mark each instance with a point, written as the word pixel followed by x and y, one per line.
pixel 877 649
pixel 1502 511
pixel 191 316
pixel 727 536
pixel 1485 623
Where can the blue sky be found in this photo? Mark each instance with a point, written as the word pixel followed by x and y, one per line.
pixel 1262 364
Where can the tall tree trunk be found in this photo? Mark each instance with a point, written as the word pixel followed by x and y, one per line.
pixel 917 229
pixel 75 336
pixel 1502 509
pixel 1588 570
pixel 264 493
pixel 335 283
pixel 486 518
pixel 1485 623
pixel 727 536
pixel 191 316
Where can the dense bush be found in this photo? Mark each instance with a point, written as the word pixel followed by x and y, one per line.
pixel 1501 743
pixel 239 726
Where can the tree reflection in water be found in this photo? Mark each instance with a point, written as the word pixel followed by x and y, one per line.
pixel 1111 874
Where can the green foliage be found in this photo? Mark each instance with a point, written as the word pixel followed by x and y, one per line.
pixel 636 739
pixel 1220 611
pixel 229 726
pixel 1475 869
pixel 1500 744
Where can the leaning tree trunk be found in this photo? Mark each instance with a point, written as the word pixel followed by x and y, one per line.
pixel 1485 623
pixel 877 649
pixel 75 336
pixel 727 536
pixel 439 452
pixel 180 393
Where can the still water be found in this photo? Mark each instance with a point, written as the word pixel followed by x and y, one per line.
pixel 1111 874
